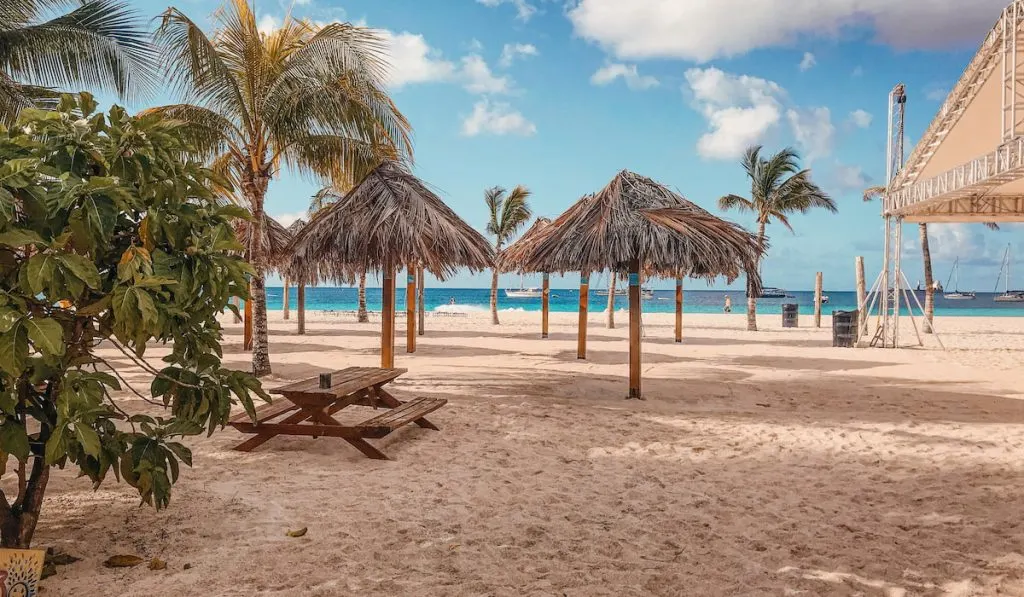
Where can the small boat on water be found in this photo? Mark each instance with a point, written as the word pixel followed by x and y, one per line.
pixel 646 293
pixel 771 292
pixel 523 293
pixel 957 294
pixel 1008 296
pixel 824 299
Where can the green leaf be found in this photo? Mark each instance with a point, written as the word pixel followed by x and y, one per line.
pixel 82 267
pixel 18 237
pixel 46 335
pixel 9 317
pixel 14 350
pixel 88 438
pixel 40 270
pixel 95 308
pixel 13 439
pixel 55 448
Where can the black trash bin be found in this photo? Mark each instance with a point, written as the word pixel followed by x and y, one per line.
pixel 844 329
pixel 790 315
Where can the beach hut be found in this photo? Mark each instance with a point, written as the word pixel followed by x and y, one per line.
pixel 515 256
pixel 637 225
pixel 389 220
pixel 275 248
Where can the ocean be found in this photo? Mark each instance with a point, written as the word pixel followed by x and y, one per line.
pixel 567 300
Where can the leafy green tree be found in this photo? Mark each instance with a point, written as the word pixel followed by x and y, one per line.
pixel 508 213
pixel 307 97
pixel 99 44
pixel 778 189
pixel 108 236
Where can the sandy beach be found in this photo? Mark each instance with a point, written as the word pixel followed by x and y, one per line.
pixel 761 463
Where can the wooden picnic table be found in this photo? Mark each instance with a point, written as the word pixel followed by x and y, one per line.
pixel 310 409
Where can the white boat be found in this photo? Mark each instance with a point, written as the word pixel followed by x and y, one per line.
pixel 523 293
pixel 770 292
pixel 1008 296
pixel 646 293
pixel 957 294
pixel 824 299
pixel 619 291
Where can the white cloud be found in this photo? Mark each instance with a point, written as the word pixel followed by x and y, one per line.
pixel 287 220
pixel 740 110
pixel 510 52
pixel 412 60
pixel 478 78
pixel 814 132
pixel 301 2
pixel 524 10
pixel 703 31
pixel 936 94
pixel 861 119
pixel 808 62
pixel 850 178
pixel 268 24
pixel 628 72
pixel 496 119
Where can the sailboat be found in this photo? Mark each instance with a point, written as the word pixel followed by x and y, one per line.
pixel 1008 296
pixel 957 294
pixel 523 293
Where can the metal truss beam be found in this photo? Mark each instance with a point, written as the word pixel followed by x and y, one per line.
pixel 989 208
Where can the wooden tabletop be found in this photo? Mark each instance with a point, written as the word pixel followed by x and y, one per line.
pixel 343 382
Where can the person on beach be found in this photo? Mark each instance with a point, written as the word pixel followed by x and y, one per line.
pixel 728 304
pixel 451 301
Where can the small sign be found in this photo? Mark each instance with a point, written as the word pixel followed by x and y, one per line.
pixel 410 279
pixel 20 570
pixel 634 279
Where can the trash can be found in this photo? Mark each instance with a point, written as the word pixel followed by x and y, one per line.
pixel 844 329
pixel 790 315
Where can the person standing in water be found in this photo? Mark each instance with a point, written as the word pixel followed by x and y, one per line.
pixel 728 304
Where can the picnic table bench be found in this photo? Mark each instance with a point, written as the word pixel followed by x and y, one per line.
pixel 310 409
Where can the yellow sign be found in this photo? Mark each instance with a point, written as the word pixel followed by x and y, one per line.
pixel 20 570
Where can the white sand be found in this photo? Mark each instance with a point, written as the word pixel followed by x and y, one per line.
pixel 760 464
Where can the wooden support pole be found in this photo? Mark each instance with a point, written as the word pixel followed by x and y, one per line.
pixel 634 330
pixel 387 332
pixel 545 299
pixel 862 307
pixel 581 345
pixel 285 306
pixel 410 309
pixel 679 309
pixel 419 301
pixel 817 300
pixel 611 300
pixel 300 299
pixel 247 332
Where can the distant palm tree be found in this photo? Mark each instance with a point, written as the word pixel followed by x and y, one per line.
pixel 508 213
pixel 872 193
pixel 99 44
pixel 320 200
pixel 778 188
pixel 306 97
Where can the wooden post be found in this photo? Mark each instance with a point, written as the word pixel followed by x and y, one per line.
pixel 862 307
pixel 545 298
pixel 247 332
pixel 300 299
pixel 634 330
pixel 581 346
pixel 679 309
pixel 611 300
pixel 419 301
pixel 387 317
pixel 410 309
pixel 285 307
pixel 817 300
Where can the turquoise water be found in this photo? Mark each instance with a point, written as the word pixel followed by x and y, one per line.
pixel 567 300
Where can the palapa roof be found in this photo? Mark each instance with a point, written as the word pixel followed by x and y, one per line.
pixel 276 239
pixel 390 219
pixel 635 218
pixel 515 256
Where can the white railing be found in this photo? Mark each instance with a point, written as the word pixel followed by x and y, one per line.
pixel 993 169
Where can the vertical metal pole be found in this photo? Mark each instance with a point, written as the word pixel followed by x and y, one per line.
pixel 883 304
pixel 898 275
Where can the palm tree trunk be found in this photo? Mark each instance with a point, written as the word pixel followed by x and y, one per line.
pixel 929 293
pixel 611 302
pixel 494 296
pixel 362 315
pixel 255 189
pixel 751 294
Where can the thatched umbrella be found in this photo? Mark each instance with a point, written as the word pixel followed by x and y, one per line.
pixel 297 273
pixel 276 239
pixel 514 258
pixel 389 219
pixel 638 225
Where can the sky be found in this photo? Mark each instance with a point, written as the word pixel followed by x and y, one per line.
pixel 560 96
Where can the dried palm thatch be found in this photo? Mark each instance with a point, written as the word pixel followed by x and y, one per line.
pixel 637 222
pixel 515 256
pixel 276 240
pixel 388 220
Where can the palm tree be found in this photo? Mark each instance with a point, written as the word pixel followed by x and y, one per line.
pixel 778 188
pixel 99 44
pixel 307 97
pixel 872 193
pixel 508 213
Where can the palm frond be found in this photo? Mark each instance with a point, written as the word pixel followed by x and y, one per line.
pixel 209 133
pixel 515 212
pixel 736 202
pixel 872 193
pixel 494 197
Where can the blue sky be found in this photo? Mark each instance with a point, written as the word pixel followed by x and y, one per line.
pixel 560 96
